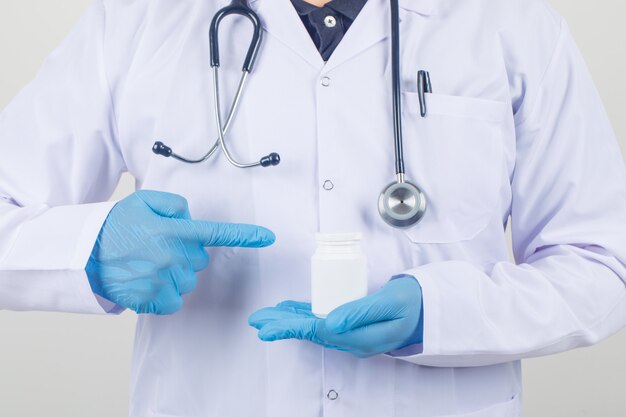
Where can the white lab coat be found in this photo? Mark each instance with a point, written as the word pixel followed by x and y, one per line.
pixel 514 127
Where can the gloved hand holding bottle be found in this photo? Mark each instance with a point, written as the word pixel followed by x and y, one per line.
pixel 387 320
pixel 149 250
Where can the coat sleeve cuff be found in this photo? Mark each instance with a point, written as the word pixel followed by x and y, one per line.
pixel 426 353
pixel 432 279
pixel 93 303
pixel 416 348
pixel 45 267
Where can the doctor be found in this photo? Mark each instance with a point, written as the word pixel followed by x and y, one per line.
pixel 514 128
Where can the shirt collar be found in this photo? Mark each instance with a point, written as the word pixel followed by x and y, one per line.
pixel 302 7
pixel 347 8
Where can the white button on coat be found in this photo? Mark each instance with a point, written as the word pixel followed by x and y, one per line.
pixel 515 127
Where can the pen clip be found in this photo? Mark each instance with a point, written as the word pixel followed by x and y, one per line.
pixel 423 86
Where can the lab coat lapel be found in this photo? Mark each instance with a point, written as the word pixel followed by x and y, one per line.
pixel 280 19
pixel 373 25
pixel 370 27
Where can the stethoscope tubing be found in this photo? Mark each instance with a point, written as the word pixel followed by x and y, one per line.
pixel 218 117
pixel 240 8
pixel 401 204
pixel 395 85
pixel 229 120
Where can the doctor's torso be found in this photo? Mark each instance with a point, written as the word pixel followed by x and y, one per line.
pixel 331 123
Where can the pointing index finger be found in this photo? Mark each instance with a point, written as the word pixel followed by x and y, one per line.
pixel 210 234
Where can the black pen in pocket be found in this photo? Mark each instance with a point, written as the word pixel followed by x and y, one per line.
pixel 423 86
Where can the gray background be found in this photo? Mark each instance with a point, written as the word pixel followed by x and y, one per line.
pixel 76 366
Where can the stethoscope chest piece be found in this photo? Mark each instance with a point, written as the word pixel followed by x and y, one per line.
pixel 402 204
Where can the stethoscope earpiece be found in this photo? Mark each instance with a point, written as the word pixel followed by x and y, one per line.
pixel 270 160
pixel 162 149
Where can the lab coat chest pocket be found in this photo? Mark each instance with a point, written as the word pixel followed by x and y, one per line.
pixel 455 154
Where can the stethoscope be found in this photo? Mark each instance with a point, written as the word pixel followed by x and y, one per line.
pixel 401 203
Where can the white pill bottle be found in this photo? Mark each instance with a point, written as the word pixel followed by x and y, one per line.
pixel 338 272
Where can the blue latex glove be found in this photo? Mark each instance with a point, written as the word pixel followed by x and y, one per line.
pixel 387 320
pixel 149 250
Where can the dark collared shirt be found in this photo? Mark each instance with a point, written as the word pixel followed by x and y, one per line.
pixel 328 24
